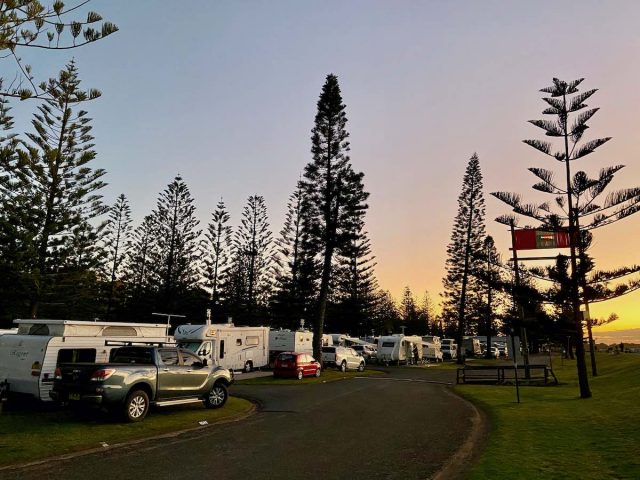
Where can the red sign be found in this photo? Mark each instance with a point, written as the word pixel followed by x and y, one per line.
pixel 532 239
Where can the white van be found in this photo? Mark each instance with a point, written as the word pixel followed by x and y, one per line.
pixel 28 358
pixel 235 348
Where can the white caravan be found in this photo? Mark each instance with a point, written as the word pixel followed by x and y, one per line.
pixel 293 341
pixel 431 348
pixel 235 348
pixel 28 359
pixel 399 349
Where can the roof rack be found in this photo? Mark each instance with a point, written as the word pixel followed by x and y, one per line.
pixel 128 343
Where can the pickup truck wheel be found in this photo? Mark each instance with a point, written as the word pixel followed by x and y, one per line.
pixel 217 396
pixel 136 406
pixel 248 366
pixel 343 366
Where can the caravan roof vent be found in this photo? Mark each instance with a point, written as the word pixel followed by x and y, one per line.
pixel 119 332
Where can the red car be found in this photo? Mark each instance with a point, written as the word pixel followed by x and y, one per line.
pixel 296 365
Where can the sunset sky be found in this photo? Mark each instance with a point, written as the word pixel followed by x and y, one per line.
pixel 225 93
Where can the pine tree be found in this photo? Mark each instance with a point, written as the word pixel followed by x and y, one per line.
pixel 386 318
pixel 295 279
pixel 579 206
pixel 409 312
pixel 355 283
pixel 427 313
pixel 54 178
pixel 116 243
pixel 334 196
pixel 138 270
pixel 216 257
pixel 464 255
pixel 254 251
pixel 176 245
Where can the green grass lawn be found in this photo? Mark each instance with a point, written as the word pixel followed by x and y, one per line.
pixel 33 435
pixel 553 433
pixel 328 375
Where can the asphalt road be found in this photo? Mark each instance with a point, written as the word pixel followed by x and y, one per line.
pixel 397 426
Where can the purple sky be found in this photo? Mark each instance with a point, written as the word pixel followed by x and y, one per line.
pixel 225 92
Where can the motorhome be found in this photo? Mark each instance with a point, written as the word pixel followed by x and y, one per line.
pixel 28 358
pixel 399 349
pixel 235 348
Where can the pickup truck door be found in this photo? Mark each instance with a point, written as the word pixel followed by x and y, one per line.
pixel 194 373
pixel 169 374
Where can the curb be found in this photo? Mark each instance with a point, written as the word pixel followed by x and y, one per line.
pixel 458 464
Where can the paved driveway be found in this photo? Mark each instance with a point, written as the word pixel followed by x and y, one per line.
pixel 400 426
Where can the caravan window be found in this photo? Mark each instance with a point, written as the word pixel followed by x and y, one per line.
pixel 252 341
pixel 76 355
pixel 238 342
pixel 221 352
pixel 388 344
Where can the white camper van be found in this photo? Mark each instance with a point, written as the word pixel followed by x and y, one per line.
pixel 235 348
pixel 399 349
pixel 28 358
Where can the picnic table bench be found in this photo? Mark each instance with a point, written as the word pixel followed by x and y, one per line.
pixel 501 374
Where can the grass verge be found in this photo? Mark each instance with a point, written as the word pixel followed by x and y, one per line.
pixel 28 435
pixel 553 433
pixel 328 375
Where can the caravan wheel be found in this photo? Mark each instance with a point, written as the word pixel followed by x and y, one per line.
pixel 248 366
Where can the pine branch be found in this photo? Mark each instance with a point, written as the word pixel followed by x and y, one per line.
pixel 589 147
pixel 552 128
pixel 576 103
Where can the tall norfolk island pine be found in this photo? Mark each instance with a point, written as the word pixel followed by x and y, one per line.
pixel 578 203
pixel 465 254
pixel 54 178
pixel 334 197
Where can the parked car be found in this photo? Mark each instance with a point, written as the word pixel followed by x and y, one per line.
pixel 137 377
pixel 343 358
pixel 369 353
pixel 296 365
pixel 449 351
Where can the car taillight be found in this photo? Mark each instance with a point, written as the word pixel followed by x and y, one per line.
pixel 102 374
pixel 58 374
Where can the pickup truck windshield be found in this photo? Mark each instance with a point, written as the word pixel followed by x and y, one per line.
pixel 142 356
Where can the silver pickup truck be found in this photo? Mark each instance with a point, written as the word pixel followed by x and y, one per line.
pixel 139 376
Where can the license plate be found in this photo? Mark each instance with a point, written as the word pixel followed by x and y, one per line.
pixel 74 396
